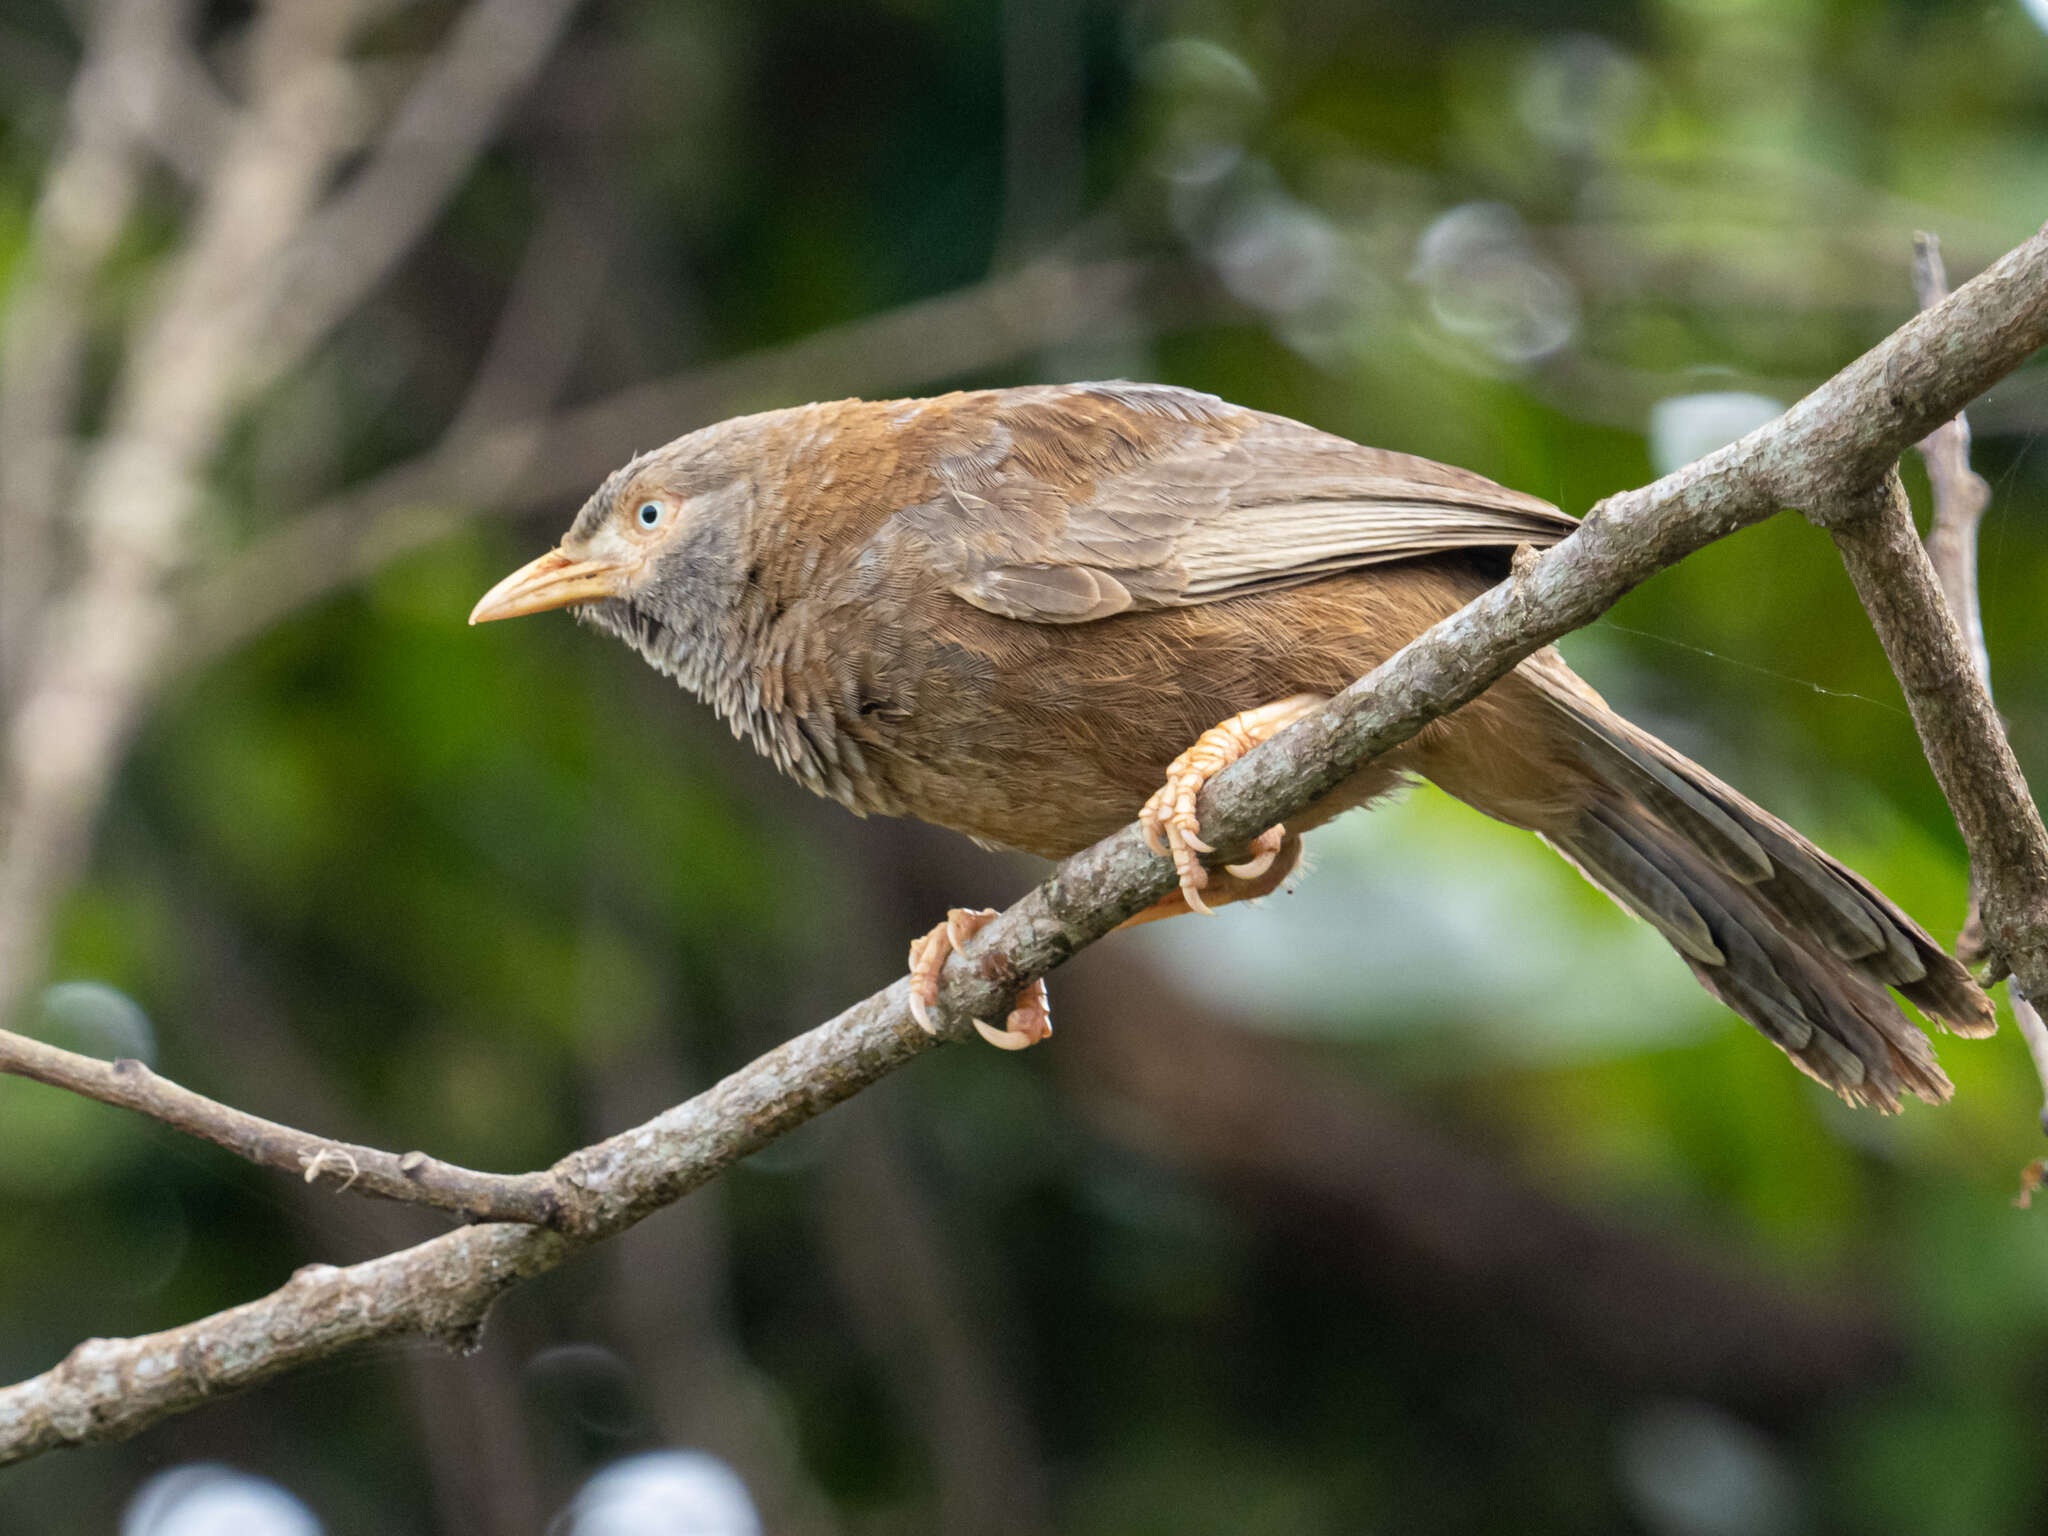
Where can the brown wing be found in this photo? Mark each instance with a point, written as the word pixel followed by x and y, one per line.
pixel 1065 504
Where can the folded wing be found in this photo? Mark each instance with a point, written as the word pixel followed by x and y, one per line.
pixel 1202 501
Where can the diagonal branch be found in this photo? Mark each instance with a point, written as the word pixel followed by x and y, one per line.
pixel 1854 426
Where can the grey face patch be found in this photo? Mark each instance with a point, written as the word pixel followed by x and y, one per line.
pixel 603 501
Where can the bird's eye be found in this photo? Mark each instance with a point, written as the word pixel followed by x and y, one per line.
pixel 650 513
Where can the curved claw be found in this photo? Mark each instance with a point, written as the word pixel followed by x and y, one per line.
pixel 1265 848
pixel 1003 1039
pixel 921 1011
pixel 1029 1022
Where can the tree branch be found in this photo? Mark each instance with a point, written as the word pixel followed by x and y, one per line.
pixel 236 299
pixel 1961 496
pixel 413 1176
pixel 1959 729
pixel 1854 426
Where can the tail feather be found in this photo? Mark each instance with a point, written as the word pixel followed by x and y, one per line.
pixel 1793 940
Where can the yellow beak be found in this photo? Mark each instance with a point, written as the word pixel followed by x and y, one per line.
pixel 552 581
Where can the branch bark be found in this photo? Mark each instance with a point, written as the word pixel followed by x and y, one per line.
pixel 1961 496
pixel 1959 730
pixel 1826 452
pixel 412 1177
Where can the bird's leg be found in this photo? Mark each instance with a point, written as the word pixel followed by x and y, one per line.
pixel 1169 819
pixel 1029 1022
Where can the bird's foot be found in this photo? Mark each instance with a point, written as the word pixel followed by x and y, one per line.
pixel 1171 825
pixel 1029 1022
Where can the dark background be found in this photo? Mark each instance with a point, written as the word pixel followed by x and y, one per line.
pixel 1432 1197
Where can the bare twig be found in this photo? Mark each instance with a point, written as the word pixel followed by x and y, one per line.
pixel 1959 730
pixel 1960 493
pixel 1961 496
pixel 411 1176
pixel 1847 433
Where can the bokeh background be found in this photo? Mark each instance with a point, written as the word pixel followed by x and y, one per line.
pixel 1431 1197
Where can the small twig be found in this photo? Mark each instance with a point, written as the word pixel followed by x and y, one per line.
pixel 412 1177
pixel 2032 1177
pixel 1961 496
pixel 2035 1033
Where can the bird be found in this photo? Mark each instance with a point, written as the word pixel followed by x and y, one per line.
pixel 1034 615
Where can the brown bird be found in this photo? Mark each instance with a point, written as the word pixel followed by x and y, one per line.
pixel 1021 613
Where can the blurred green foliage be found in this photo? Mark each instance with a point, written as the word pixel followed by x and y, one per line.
pixel 493 893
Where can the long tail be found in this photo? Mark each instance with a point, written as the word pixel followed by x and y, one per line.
pixel 1800 945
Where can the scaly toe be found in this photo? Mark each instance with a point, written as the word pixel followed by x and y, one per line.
pixel 1150 820
pixel 927 960
pixel 963 923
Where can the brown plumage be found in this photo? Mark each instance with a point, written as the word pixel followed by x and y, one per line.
pixel 1008 612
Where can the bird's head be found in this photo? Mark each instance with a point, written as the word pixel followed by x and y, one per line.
pixel 656 555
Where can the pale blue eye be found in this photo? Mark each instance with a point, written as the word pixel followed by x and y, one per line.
pixel 650 513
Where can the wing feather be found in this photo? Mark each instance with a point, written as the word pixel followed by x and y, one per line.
pixel 1200 501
